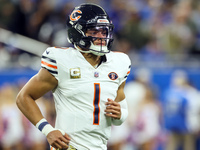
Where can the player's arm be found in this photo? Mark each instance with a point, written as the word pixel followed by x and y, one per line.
pixel 117 109
pixel 36 87
pixel 120 93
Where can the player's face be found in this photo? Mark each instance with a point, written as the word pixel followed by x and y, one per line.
pixel 98 34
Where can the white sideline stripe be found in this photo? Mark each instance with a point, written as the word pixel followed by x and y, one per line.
pixel 22 42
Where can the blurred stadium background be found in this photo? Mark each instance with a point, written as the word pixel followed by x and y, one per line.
pixel 162 38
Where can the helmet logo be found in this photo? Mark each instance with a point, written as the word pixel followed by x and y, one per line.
pixel 72 18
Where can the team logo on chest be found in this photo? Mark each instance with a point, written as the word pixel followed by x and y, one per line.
pixel 112 75
pixel 75 73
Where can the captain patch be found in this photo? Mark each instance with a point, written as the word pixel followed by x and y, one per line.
pixel 75 73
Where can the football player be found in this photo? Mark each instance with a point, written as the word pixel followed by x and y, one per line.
pixel 87 83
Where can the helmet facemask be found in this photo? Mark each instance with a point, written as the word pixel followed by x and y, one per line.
pixel 97 45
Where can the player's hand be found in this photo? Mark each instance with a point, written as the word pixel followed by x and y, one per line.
pixel 113 109
pixel 57 140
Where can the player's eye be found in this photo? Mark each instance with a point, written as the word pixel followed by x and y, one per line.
pixel 104 33
pixel 94 32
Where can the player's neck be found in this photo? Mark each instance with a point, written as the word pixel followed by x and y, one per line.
pixel 94 60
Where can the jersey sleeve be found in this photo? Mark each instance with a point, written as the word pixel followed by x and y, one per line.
pixel 48 61
pixel 126 68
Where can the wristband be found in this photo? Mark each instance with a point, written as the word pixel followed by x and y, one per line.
pixel 124 113
pixel 44 127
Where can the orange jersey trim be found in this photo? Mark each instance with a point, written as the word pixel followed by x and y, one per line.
pixel 62 47
pixel 49 65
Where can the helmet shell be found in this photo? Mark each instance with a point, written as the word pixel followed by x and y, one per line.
pixel 87 16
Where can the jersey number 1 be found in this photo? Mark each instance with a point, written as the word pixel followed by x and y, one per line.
pixel 96 101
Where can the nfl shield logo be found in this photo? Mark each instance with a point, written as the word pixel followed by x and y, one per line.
pixel 96 74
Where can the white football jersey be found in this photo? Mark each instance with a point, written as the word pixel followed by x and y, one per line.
pixel 82 92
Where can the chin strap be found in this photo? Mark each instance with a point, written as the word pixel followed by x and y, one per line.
pixel 98 50
pixel 81 49
pixel 94 49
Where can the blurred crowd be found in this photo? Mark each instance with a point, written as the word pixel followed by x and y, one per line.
pixel 159 32
pixel 16 132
